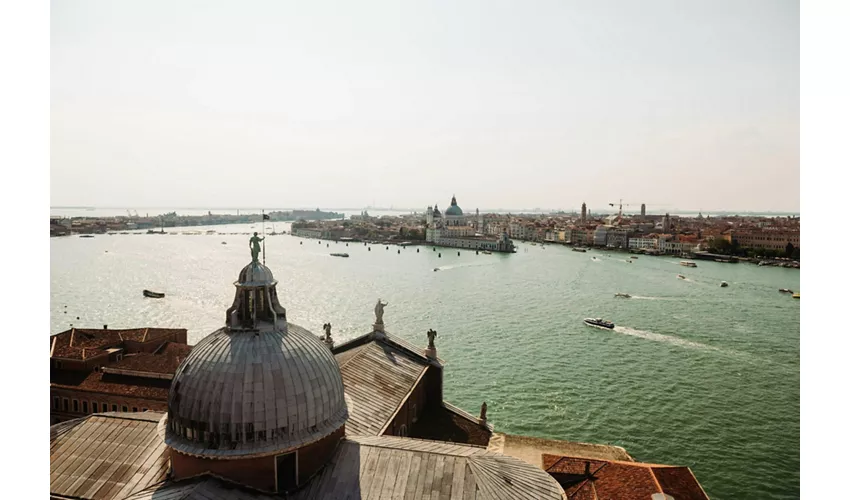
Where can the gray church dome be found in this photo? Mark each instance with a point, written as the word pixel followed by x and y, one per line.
pixel 258 386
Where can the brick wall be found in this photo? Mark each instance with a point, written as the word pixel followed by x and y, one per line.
pixel 259 472
pixel 255 472
pixel 66 397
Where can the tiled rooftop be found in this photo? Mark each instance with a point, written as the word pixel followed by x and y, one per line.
pixel 121 385
pixel 621 480
pixel 166 359
pixel 82 343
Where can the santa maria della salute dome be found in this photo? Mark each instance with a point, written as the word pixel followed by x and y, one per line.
pixel 263 408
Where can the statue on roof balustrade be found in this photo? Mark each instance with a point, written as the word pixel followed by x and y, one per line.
pixel 379 312
pixel 432 334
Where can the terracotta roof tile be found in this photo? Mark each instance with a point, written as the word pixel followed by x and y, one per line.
pixel 622 480
pixel 71 344
pixel 166 359
pixel 106 383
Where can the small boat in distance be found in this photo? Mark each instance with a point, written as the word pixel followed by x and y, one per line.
pixel 578 249
pixel 796 295
pixel 86 236
pixel 339 255
pixel 688 263
pixel 436 269
pixel 624 295
pixel 786 290
pixel 723 284
pixel 633 257
pixel 152 295
pixel 599 323
pixel 487 252
pixel 681 276
pixel 224 243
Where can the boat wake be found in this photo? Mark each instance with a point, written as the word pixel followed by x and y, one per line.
pixel 658 337
pixel 458 266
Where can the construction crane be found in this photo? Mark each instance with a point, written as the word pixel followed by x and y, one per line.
pixel 620 213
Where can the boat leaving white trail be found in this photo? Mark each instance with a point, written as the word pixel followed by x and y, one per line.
pixel 658 337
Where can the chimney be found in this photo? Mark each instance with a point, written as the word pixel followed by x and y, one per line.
pixel 104 326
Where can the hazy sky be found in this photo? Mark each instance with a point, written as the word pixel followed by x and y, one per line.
pixel 690 104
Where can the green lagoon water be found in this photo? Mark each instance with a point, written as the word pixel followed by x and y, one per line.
pixel 694 374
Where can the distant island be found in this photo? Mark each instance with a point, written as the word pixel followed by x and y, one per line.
pixel 63 226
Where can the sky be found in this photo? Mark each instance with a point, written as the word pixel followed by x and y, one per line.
pixel 506 104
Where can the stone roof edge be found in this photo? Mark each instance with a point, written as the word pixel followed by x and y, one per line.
pixel 363 441
pixel 466 415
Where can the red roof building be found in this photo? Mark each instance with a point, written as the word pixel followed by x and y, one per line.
pixel 586 479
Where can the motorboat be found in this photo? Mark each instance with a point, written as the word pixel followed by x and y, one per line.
pixel 577 249
pixel 680 276
pixel 723 284
pixel 339 255
pixel 633 257
pixel 796 295
pixel 487 252
pixel 436 269
pixel 624 295
pixel 786 290
pixel 688 263
pixel 224 243
pixel 599 323
pixel 152 295
pixel 86 236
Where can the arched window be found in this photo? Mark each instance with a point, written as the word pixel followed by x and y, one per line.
pixel 402 431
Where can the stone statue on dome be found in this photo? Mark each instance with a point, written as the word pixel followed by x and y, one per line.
pixel 254 244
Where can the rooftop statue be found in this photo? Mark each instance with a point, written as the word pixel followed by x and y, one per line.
pixel 379 312
pixel 254 244
pixel 431 335
pixel 327 328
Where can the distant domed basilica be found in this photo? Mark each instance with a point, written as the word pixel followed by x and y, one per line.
pixel 454 229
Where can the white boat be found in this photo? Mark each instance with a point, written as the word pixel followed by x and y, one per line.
pixel 624 295
pixel 723 284
pixel 688 263
pixel 599 323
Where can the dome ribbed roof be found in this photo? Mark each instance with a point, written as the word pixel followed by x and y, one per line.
pixel 255 274
pixel 454 209
pixel 254 393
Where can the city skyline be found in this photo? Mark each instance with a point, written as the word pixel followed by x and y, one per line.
pixel 689 105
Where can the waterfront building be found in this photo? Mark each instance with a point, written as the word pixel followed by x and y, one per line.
pixel 94 371
pixel 643 243
pixel 600 236
pixel 767 238
pixel 618 237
